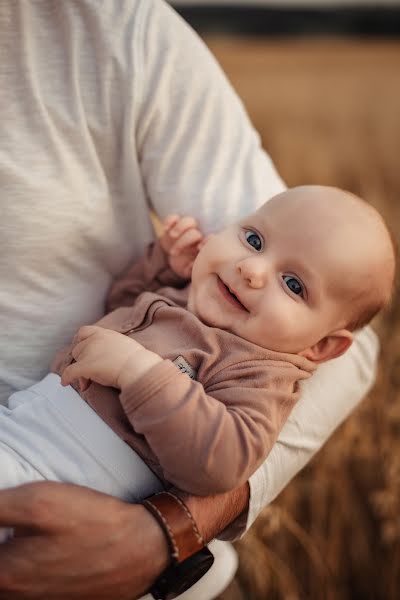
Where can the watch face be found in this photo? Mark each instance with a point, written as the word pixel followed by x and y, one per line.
pixel 180 577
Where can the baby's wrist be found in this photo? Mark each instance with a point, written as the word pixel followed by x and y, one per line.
pixel 168 257
pixel 136 366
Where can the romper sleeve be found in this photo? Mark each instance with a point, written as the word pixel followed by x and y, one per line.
pixel 149 274
pixel 209 438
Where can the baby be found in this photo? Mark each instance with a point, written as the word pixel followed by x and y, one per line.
pixel 189 383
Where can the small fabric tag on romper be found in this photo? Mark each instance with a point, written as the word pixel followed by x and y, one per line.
pixel 184 366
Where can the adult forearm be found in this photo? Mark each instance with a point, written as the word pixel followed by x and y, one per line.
pixel 213 514
pixel 73 543
pixel 327 399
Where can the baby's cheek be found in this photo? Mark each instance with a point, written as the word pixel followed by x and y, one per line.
pixel 285 325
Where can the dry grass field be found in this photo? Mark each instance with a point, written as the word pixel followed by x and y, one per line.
pixel 329 112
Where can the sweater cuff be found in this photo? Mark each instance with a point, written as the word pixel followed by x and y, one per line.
pixel 147 386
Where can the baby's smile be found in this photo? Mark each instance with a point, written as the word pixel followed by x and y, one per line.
pixel 230 295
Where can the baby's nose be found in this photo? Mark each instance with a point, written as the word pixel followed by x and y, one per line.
pixel 255 271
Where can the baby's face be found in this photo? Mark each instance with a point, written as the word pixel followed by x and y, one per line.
pixel 277 278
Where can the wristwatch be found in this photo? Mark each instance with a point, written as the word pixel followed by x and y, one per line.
pixel 191 559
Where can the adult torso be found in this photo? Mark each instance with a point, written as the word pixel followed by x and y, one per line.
pixel 73 209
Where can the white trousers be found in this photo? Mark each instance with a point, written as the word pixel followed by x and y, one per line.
pixel 48 432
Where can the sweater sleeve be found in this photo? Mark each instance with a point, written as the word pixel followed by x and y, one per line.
pixel 149 274
pixel 211 439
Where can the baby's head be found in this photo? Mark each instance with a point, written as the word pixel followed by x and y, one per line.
pixel 299 275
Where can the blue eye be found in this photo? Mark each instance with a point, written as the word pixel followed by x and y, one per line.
pixel 294 285
pixel 254 240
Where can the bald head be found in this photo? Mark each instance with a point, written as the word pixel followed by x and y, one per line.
pixel 356 239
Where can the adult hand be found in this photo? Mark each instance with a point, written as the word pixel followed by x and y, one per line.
pixel 76 544
pixel 72 543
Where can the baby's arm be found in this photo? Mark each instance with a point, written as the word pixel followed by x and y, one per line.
pixel 207 439
pixel 211 439
pixel 166 262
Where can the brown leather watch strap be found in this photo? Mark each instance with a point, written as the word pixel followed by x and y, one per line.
pixel 175 519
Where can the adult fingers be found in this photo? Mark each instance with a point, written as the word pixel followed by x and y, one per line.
pixel 22 506
pixel 16 570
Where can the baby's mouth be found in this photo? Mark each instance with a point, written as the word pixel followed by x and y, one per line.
pixel 230 296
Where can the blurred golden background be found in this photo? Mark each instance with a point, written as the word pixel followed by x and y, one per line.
pixel 328 111
pixel 320 80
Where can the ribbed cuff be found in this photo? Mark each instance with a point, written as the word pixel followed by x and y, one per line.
pixel 147 386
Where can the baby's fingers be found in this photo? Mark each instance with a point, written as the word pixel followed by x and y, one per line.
pixel 70 374
pixel 189 239
pixel 182 225
pixel 86 331
pixel 187 271
pixel 74 373
pixel 84 383
pixel 203 241
pixel 169 222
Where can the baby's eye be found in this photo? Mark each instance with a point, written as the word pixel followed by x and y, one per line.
pixel 294 285
pixel 254 240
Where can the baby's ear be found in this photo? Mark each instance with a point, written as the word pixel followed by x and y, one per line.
pixel 331 346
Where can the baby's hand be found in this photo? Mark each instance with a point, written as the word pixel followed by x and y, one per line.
pixel 107 357
pixel 182 241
